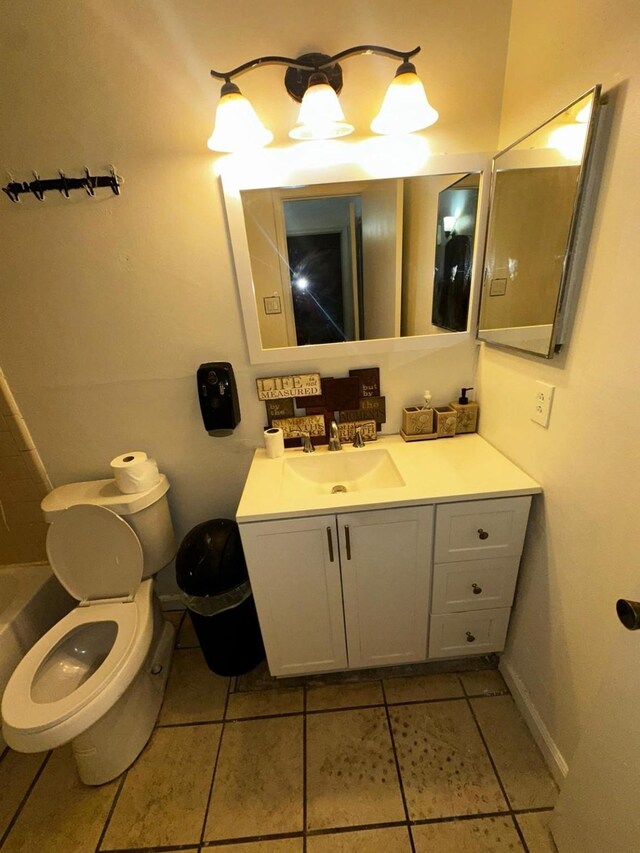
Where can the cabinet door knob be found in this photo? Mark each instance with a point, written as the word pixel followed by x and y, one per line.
pixel 470 637
pixel 347 537
pixel 482 534
pixel 476 589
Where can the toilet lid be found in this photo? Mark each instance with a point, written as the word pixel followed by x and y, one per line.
pixel 94 553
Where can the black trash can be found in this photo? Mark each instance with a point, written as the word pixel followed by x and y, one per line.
pixel 212 573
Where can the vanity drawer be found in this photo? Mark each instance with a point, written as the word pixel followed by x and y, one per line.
pixel 474 584
pixel 481 529
pixel 454 635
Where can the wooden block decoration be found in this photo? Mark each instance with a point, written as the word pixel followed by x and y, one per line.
pixel 417 421
pixel 352 415
pixel 369 378
pixel 316 401
pixel 299 385
pixel 376 408
pixel 339 394
pixel 445 421
pixel 279 409
pixel 293 427
pixel 347 431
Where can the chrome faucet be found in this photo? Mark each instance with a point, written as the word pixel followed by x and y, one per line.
pixel 334 437
pixel 307 445
pixel 358 440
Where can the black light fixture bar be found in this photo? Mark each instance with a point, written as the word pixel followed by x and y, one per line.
pixel 303 62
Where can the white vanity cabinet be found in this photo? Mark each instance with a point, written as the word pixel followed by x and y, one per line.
pixel 396 569
pixel 477 552
pixel 342 591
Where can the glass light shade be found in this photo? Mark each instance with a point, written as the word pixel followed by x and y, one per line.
pixel 237 126
pixel 405 107
pixel 321 115
pixel 449 223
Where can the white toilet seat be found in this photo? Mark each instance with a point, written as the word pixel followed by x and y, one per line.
pixel 32 726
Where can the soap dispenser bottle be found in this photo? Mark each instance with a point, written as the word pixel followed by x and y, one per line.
pixel 467 412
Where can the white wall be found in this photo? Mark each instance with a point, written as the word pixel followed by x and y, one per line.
pixel 109 305
pixel 582 553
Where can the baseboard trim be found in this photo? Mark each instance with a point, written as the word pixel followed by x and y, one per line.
pixel 552 755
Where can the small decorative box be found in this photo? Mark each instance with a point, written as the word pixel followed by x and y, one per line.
pixel 417 421
pixel 445 421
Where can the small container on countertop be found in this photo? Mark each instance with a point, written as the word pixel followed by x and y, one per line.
pixel 467 412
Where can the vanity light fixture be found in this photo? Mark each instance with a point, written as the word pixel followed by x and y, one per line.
pixel 315 80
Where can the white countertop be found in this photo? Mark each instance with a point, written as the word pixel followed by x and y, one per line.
pixel 465 467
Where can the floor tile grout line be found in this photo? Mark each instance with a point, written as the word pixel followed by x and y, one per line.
pixel 23 801
pixel 304 769
pixel 458 817
pixel 334 830
pixel 398 768
pixel 112 809
pixel 495 767
pixel 520 833
pixel 215 766
pixel 488 751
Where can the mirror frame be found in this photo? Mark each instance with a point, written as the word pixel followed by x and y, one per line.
pixel 575 250
pixel 273 168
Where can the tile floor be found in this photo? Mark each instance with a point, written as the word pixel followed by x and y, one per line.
pixel 428 763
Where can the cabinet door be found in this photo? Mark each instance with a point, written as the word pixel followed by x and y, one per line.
pixel 295 576
pixel 481 529
pixel 386 562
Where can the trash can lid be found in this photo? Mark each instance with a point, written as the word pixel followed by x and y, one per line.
pixel 210 559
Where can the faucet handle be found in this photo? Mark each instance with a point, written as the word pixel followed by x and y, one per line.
pixel 358 440
pixel 307 445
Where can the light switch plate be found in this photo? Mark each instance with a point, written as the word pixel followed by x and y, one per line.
pixel 542 405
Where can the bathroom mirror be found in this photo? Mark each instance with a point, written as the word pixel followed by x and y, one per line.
pixel 354 263
pixel 531 263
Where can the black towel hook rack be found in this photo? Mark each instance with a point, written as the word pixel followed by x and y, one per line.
pixel 63 184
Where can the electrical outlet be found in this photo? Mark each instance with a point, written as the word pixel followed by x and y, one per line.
pixel 543 401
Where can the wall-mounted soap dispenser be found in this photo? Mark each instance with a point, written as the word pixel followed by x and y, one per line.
pixel 218 397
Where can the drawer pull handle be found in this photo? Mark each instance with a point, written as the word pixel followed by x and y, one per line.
pixel 476 589
pixel 470 637
pixel 330 541
pixel 482 534
pixel 347 537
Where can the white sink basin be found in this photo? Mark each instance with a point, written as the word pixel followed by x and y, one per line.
pixel 325 473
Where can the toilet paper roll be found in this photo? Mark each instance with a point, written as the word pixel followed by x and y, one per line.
pixel 134 472
pixel 274 442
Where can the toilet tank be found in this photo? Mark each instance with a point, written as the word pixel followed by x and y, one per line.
pixel 146 512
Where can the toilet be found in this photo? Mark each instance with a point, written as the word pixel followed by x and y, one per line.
pixel 97 678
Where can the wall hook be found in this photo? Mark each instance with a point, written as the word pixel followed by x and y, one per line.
pixel 36 187
pixel 64 186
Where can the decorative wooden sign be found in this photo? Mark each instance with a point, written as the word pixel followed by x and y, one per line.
pixel 352 415
pixel 280 409
pixel 375 407
pixel 300 385
pixel 369 378
pixel 294 427
pixel 347 431
pixel 339 394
